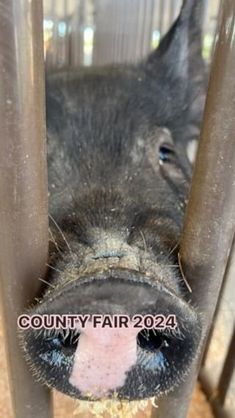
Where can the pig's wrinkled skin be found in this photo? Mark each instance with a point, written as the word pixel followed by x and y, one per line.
pixel 118 182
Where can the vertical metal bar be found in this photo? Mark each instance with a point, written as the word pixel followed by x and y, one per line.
pixel 23 187
pixel 66 19
pixel 55 37
pixel 100 28
pixel 122 19
pixel 219 392
pixel 227 277
pixel 210 217
pixel 174 8
pixel 228 370
pixel 147 35
pixel 219 395
pixel 115 31
pixel 77 34
pixel 205 13
pixel 161 17
pixel 215 32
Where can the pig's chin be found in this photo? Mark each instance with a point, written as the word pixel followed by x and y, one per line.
pixel 125 363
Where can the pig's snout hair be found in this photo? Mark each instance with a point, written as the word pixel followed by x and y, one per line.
pixel 95 361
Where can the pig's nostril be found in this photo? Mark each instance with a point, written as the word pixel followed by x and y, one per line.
pixel 64 340
pixel 159 358
pixel 151 340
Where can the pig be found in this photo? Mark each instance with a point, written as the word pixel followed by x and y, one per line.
pixel 119 176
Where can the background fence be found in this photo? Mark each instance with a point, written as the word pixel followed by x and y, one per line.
pixel 86 32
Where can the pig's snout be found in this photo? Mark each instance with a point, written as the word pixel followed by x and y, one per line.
pixel 128 362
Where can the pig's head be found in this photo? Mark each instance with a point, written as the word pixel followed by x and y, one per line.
pixel 118 178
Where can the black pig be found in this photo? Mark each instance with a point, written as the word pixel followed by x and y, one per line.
pixel 118 182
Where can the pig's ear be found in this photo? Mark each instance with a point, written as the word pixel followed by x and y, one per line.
pixel 180 48
pixel 179 53
pixel 176 71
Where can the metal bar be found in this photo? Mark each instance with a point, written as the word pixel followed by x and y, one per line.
pixel 147 34
pixel 218 394
pixel 228 370
pixel 55 38
pixel 221 406
pixel 175 6
pixel 161 17
pixel 100 29
pixel 210 216
pixel 23 187
pixel 67 19
pixel 227 277
pixel 77 34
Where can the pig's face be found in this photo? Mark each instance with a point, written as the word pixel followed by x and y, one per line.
pixel 118 177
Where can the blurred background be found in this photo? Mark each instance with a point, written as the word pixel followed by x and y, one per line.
pixel 96 32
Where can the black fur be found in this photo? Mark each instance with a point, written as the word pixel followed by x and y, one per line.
pixel 118 183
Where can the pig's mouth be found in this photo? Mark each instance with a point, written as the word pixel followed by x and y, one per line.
pixel 127 363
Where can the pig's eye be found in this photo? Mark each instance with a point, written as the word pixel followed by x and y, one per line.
pixel 169 163
pixel 166 154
